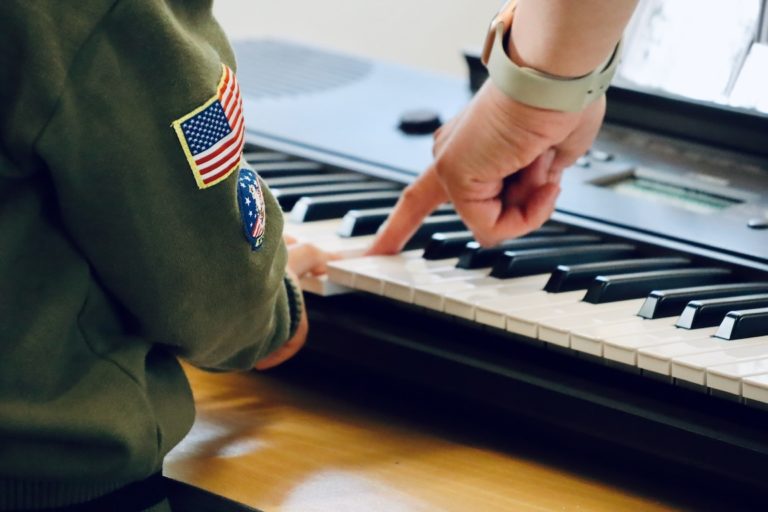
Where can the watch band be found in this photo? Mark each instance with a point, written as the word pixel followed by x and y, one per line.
pixel 536 88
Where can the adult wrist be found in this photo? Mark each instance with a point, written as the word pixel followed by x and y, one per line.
pixel 532 87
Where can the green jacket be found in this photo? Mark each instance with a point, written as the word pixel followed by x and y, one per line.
pixel 113 260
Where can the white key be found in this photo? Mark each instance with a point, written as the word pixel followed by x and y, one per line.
pixel 624 348
pixel 368 273
pixel 343 272
pixel 557 330
pixel 525 319
pixel 321 285
pixel 755 388
pixel 592 339
pixel 679 342
pixel 522 294
pixel 433 295
pixel 401 285
pixel 693 368
pixel 373 279
pixel 462 303
pixel 312 230
pixel 323 234
pixel 728 377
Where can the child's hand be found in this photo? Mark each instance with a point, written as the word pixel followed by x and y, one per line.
pixel 305 258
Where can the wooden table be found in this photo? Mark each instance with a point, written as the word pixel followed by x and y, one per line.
pixel 279 444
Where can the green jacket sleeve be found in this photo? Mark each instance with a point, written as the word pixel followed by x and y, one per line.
pixel 174 256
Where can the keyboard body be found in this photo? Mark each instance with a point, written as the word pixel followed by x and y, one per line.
pixel 597 370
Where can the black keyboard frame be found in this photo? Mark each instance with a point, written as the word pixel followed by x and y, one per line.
pixel 615 405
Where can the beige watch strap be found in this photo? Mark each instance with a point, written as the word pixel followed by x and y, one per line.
pixel 541 90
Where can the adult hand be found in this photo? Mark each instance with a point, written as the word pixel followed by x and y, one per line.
pixel 500 163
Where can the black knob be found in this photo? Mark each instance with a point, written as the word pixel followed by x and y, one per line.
pixel 420 122
pixel 758 223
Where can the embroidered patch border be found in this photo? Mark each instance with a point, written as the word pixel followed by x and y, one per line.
pixel 250 199
pixel 212 135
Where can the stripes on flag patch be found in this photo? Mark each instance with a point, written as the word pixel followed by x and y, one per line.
pixel 212 134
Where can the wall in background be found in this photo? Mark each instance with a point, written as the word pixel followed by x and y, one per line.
pixel 429 34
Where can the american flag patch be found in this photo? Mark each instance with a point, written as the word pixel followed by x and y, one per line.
pixel 212 134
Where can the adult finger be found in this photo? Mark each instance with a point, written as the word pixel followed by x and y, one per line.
pixel 419 199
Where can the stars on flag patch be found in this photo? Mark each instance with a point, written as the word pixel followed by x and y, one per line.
pixel 250 198
pixel 212 134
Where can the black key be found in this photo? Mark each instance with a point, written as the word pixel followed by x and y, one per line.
pixel 288 196
pixel 539 261
pixel 316 179
pixel 639 284
pixel 567 278
pixel 298 168
pixel 477 256
pixel 334 206
pixel 367 222
pixel 450 245
pixel 710 312
pixel 250 147
pixel 548 230
pixel 260 157
pixel 430 226
pixel 666 303
pixel 447 245
pixel 748 323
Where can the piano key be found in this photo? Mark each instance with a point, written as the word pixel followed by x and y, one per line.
pixel 477 256
pixel 574 277
pixel 344 272
pixel 321 285
pixel 625 347
pixel 693 368
pixel 294 168
pixel 309 209
pixel 557 329
pixel 676 343
pixel 447 245
pixel 319 179
pixel 504 312
pixel 711 312
pixel 431 225
pixel 288 196
pixel 601 156
pixel 747 323
pixel 402 285
pixel 631 286
pixel 665 303
pixel 323 235
pixel 755 388
pixel 451 245
pixel 728 377
pixel 258 157
pixel 367 222
pixel 524 296
pixel 592 339
pixel 537 261
pixel 433 296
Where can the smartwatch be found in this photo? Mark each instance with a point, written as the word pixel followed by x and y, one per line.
pixel 536 88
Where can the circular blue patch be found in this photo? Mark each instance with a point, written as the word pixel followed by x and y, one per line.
pixel 250 198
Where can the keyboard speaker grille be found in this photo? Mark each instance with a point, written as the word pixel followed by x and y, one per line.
pixel 277 68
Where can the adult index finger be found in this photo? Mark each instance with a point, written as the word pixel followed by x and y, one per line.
pixel 419 199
